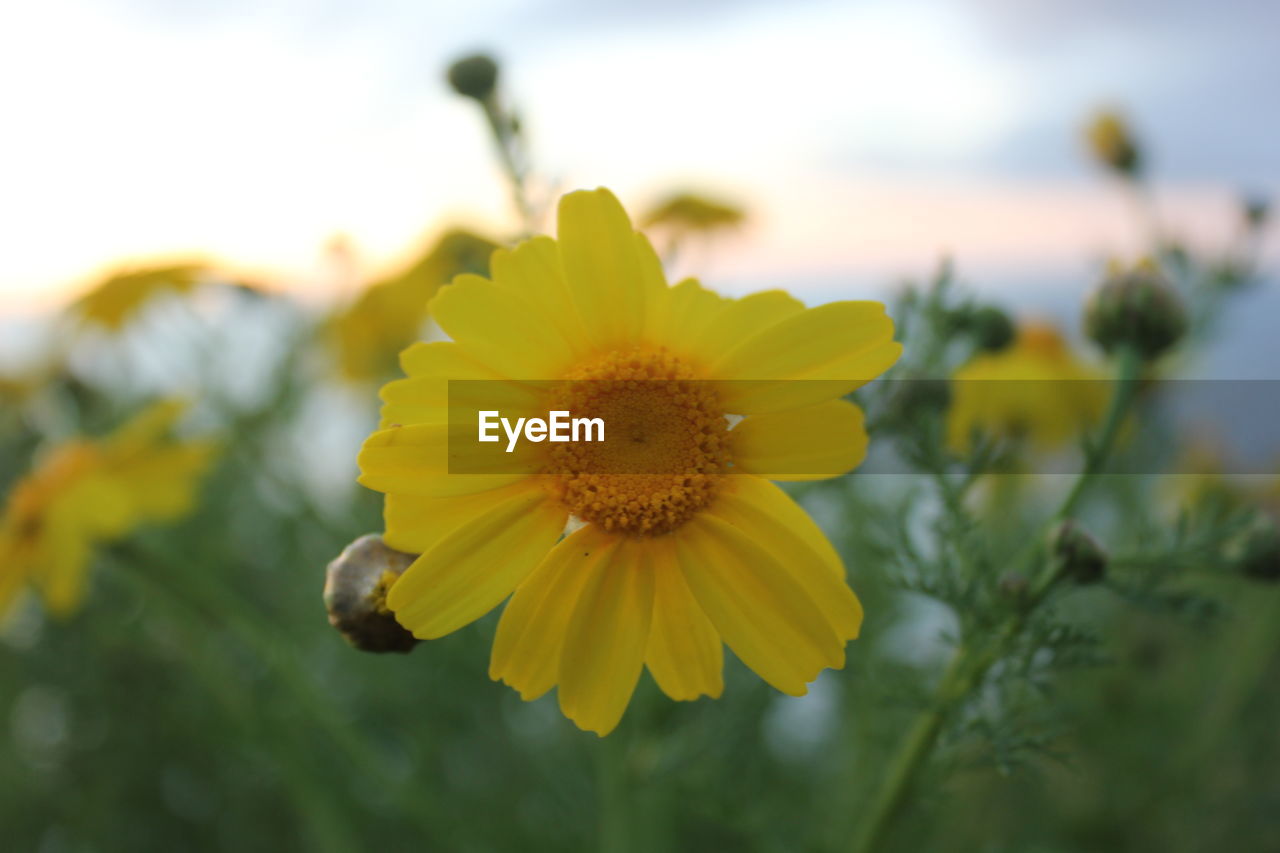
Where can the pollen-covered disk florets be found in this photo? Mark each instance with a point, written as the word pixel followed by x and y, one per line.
pixel 665 450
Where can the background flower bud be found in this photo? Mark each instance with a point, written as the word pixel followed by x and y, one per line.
pixel 1256 209
pixel 1256 551
pixel 1112 143
pixel 1081 557
pixel 474 76
pixel 1136 308
pixel 992 328
pixel 355 594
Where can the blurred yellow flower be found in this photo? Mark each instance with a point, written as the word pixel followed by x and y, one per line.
pixel 388 316
pixel 678 541
pixel 1036 389
pixel 691 212
pixel 117 299
pixel 1112 143
pixel 89 492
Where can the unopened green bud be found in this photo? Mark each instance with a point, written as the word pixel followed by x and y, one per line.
pixel 1014 586
pixel 1079 555
pixel 917 398
pixel 1256 209
pixel 1136 308
pixel 1256 551
pixel 355 594
pixel 474 76
pixel 992 328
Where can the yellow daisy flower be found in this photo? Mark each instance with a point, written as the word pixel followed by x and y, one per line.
pixel 88 492
pixel 116 300
pixel 691 212
pixel 678 541
pixel 388 315
pixel 1035 389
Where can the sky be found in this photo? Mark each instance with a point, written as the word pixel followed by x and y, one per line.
pixel 867 139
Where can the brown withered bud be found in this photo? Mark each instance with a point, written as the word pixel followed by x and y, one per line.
pixel 355 594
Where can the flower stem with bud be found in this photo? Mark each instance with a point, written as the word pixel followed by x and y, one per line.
pixel 971 662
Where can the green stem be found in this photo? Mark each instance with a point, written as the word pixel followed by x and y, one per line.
pixel 970 664
pixel 226 610
pixel 612 797
pixel 1099 450
pixel 503 137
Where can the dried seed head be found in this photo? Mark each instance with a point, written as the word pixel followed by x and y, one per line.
pixel 355 594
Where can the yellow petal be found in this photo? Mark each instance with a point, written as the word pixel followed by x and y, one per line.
pixel 657 294
pixel 15 568
pixel 531 633
pixel 414 524
pixel 835 348
pixel 423 397
pixel 763 613
pixel 813 443
pixel 685 655
pixel 442 360
pixel 421 400
pixel 163 483
pixel 690 308
pixel 604 645
pixel 742 318
pixel 62 574
pixel 764 512
pixel 144 429
pixel 417 459
pixel 603 268
pixel 497 328
pixel 533 270
pixel 471 570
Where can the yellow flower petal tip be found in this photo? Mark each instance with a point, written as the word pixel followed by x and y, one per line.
pixel 679 544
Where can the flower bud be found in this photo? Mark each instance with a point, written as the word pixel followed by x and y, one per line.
pixel 1079 555
pixel 1256 551
pixel 474 76
pixel 914 399
pixel 1136 308
pixel 1014 586
pixel 992 328
pixel 1256 209
pixel 355 594
pixel 1112 143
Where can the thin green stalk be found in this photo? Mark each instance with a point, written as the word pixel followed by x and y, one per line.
pixel 612 796
pixel 1099 449
pixel 970 664
pixel 505 139
pixel 337 833
pixel 229 611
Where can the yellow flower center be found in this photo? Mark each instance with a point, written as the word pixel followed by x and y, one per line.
pixel 666 444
